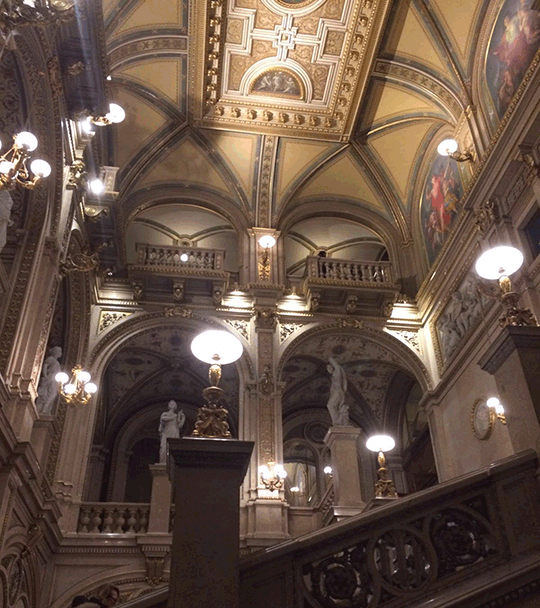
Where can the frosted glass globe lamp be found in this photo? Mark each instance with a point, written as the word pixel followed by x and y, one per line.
pixel 384 487
pixel 498 264
pixel 216 348
pixel 13 164
pixel 272 476
pixel 78 389
pixel 449 147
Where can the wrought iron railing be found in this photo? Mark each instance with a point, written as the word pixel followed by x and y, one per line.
pixel 347 270
pixel 113 518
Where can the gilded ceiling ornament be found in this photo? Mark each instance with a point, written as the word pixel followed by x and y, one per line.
pixel 283 117
pixel 79 262
pixel 110 317
pixel 348 322
pixel 314 121
pixel 266 115
pixel 176 311
pixel 251 114
pixel 286 329
pixel 298 119
pixel 241 326
pixel 485 215
pixel 328 122
pixel 265 318
pixel 219 111
pixel 77 174
pixel 178 291
pixel 235 112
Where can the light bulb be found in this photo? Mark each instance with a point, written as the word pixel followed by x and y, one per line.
pixel 86 126
pixel 96 186
pixel 84 376
pixel 295 489
pixel 501 261
pixel 69 389
pixel 267 241
pixel 184 257
pixel 380 443
pixel 447 147
pixel 61 377
pixel 6 166
pixel 90 388
pixel 328 470
pixel 40 167
pixel 264 471
pixel 280 471
pixel 116 113
pixel 26 140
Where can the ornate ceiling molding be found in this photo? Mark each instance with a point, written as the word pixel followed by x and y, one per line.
pixel 278 67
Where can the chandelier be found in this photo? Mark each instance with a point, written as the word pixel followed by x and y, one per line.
pixel 273 476
pixel 13 169
pixel 20 13
pixel 78 388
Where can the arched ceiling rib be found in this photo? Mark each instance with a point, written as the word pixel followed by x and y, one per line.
pixel 361 141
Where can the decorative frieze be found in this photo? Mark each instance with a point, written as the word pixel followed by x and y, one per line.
pixel 110 317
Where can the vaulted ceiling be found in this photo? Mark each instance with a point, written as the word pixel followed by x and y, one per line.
pixel 254 107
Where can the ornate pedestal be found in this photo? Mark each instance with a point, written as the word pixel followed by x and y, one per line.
pixel 206 476
pixel 348 499
pixel 514 362
pixel 160 503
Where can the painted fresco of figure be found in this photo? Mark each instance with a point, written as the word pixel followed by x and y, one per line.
pixel 440 203
pixel 514 42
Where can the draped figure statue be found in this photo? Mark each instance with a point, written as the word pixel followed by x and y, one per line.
pixel 170 423
pixel 339 410
pixel 48 387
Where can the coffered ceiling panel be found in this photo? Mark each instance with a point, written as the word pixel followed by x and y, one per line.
pixel 282 65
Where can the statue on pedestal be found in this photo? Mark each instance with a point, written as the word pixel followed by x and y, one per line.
pixel 339 410
pixel 170 423
pixel 47 388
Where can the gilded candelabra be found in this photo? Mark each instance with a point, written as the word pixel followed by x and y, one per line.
pixel 78 389
pixel 13 164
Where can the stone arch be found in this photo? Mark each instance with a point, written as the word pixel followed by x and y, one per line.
pixel 411 363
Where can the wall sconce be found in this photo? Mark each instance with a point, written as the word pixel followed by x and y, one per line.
pixel 384 487
pixel 78 389
pixel 449 147
pixel 273 476
pixel 13 169
pixel 216 348
pixel 115 115
pixel 20 13
pixel 499 263
pixel 496 405
pixel 266 241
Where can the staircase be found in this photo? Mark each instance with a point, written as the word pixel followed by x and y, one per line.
pixel 469 543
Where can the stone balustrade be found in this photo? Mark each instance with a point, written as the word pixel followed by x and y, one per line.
pixel 171 257
pixel 347 270
pixel 113 518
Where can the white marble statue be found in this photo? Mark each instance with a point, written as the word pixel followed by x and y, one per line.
pixel 170 424
pixel 48 388
pixel 5 212
pixel 339 410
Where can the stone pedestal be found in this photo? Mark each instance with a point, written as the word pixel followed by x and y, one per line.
pixel 206 476
pixel 42 435
pixel 514 362
pixel 160 502
pixel 342 441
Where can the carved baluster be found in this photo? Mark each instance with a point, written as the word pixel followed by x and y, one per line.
pixel 107 521
pixel 132 521
pixel 96 521
pixel 347 272
pixel 143 522
pixel 120 521
pixel 84 520
pixel 356 275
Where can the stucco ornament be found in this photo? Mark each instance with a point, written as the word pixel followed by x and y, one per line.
pixel 170 423
pixel 48 388
pixel 339 410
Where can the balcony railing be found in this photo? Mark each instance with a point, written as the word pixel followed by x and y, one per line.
pixel 347 270
pixel 190 258
pixel 113 518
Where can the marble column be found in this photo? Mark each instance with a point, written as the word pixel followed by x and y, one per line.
pixel 206 476
pixel 348 499
pixel 514 361
pixel 160 502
